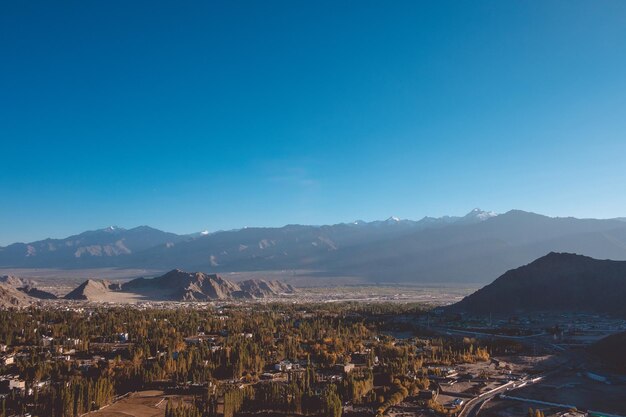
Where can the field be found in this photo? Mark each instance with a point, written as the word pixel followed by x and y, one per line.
pixel 139 404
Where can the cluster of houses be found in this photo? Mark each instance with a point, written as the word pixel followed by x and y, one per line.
pixel 47 349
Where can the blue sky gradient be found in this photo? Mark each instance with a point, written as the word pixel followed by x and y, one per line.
pixel 215 115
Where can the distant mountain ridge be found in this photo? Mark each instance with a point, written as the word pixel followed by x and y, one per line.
pixel 474 248
pixel 178 285
pixel 89 249
pixel 555 282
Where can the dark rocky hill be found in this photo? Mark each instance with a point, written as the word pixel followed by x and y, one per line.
pixel 555 282
pixel 37 293
pixel 611 350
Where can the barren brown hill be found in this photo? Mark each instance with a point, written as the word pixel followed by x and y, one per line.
pixel 178 285
pixel 11 297
pixel 14 281
pixel 26 286
pixel 92 290
pixel 259 288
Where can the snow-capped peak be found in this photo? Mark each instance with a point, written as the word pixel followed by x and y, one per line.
pixel 393 219
pixel 480 214
pixel 204 232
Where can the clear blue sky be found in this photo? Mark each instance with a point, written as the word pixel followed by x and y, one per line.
pixel 213 115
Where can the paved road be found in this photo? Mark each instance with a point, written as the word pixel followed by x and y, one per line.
pixel 538 340
pixel 473 406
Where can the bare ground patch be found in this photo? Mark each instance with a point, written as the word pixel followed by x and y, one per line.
pixel 139 404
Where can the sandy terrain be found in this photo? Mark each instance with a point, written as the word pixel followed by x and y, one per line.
pixel 118 297
pixel 297 278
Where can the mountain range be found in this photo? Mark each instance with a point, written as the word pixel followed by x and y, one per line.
pixel 474 248
pixel 557 282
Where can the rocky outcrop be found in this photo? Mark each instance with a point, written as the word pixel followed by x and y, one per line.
pixel 178 285
pixel 259 288
pixel 10 297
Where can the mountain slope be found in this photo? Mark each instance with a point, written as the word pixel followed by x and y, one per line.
pixel 26 286
pixel 10 297
pixel 37 293
pixel 259 288
pixel 183 286
pixel 555 282
pixel 92 290
pixel 479 252
pixel 88 249
pixel 14 281
pixel 391 251
pixel 611 350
